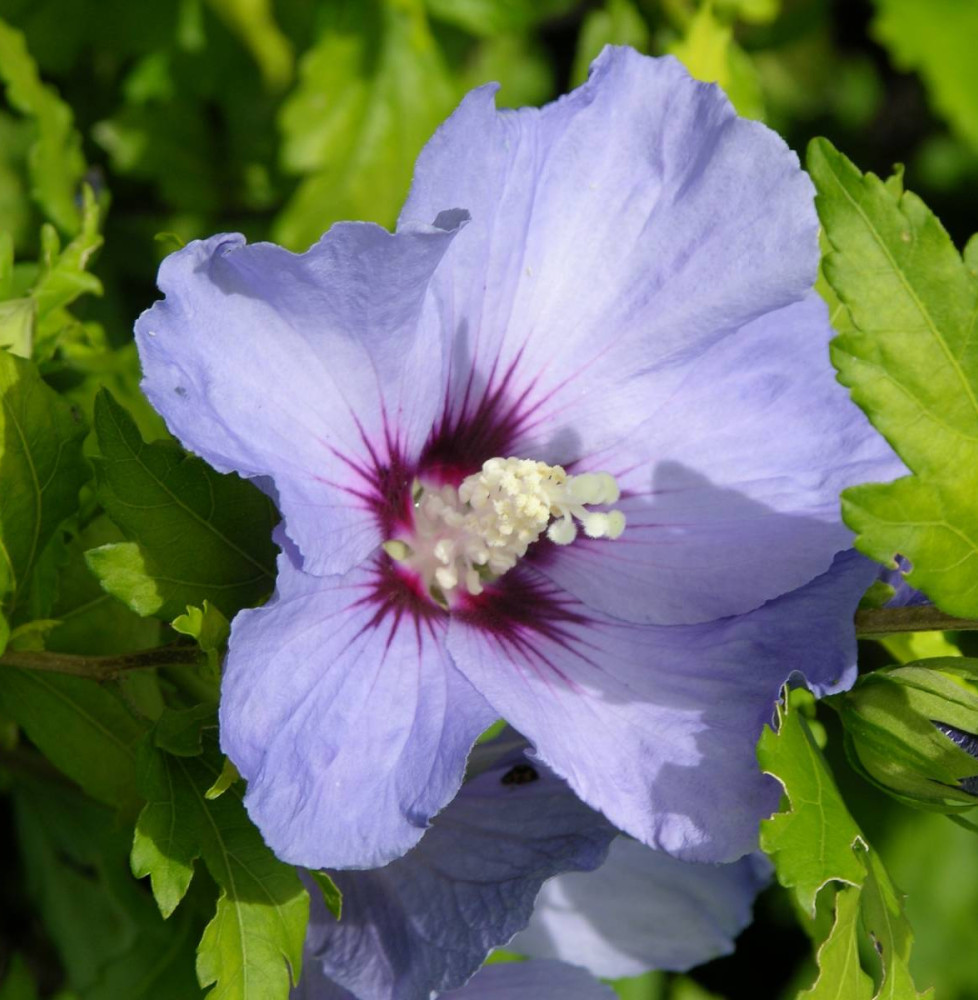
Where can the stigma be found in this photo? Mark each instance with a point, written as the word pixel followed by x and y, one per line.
pixel 466 536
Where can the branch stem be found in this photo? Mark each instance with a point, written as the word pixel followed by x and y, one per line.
pixel 104 668
pixel 874 622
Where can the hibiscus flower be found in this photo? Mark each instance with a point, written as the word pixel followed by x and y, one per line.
pixel 565 448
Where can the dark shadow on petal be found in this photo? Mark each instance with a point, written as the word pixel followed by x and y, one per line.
pixel 691 700
pixel 427 920
pixel 682 537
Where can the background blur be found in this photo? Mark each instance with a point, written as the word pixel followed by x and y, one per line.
pixel 278 117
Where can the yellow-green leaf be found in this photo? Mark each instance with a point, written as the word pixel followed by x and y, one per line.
pixel 909 355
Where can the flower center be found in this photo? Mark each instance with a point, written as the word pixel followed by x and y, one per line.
pixel 463 537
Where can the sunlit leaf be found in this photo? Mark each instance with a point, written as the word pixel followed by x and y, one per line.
pixel 91 621
pixel 332 896
pixel 521 67
pixel 937 39
pixel 935 861
pixel 814 841
pixel 710 53
pixel 909 355
pixel 17 326
pixel 207 625
pixel 618 22
pixel 752 11
pixel 165 845
pixel 371 91
pixel 840 974
pixel 907 646
pixel 497 17
pixel 63 275
pixel 253 946
pixel 56 161
pixel 254 22
pixel 228 776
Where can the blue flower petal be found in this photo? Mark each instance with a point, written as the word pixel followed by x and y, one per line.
pixel 342 709
pixel 731 488
pixel 656 725
pixel 540 980
pixel 615 234
pixel 642 910
pixel 314 369
pixel 427 921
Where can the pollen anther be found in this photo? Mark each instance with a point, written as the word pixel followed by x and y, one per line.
pixel 481 530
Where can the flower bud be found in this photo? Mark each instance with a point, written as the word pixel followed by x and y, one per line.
pixel 910 730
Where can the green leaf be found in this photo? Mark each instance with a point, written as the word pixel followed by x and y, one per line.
pixel 882 908
pixel 90 621
pixel 31 635
pixel 109 936
pixel 254 23
pixel 937 40
pixel 371 91
pixel 971 255
pixel 122 570
pixel 814 841
pixel 228 776
pixel 496 17
pixel 82 728
pixel 617 23
pixel 17 216
pixel 18 983
pixel 195 535
pixel 56 161
pixel 521 66
pixel 6 263
pixel 752 11
pixel 211 630
pixel 41 468
pixel 684 988
pixel 891 738
pixel 86 363
pixel 181 731
pixel 908 646
pixel 17 326
pixel 207 625
pixel 170 143
pixel 332 896
pixel 936 863
pixel 164 846
pixel 649 986
pixel 709 52
pixel 840 974
pixel 63 277
pixel 909 355
pixel 255 939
